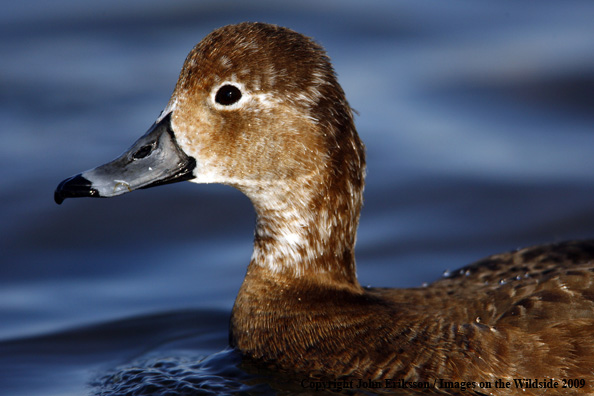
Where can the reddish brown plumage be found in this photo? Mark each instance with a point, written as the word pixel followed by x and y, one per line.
pixel 539 323
pixel 291 146
pixel 526 314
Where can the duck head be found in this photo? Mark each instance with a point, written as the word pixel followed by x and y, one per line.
pixel 257 107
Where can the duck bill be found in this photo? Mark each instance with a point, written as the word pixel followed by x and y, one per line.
pixel 154 159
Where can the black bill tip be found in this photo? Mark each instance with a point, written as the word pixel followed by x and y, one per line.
pixel 75 186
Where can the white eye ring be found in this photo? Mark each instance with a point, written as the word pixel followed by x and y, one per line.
pixel 229 96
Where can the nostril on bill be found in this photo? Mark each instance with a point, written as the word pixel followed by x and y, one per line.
pixel 144 151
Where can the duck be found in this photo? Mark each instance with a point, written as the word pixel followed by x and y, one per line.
pixel 259 107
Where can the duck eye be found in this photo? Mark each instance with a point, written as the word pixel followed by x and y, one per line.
pixel 228 95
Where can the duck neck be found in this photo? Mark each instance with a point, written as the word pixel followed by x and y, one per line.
pixel 307 234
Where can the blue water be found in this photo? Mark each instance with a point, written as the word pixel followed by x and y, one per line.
pixel 478 119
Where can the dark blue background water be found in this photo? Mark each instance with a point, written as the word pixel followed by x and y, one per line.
pixel 478 119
